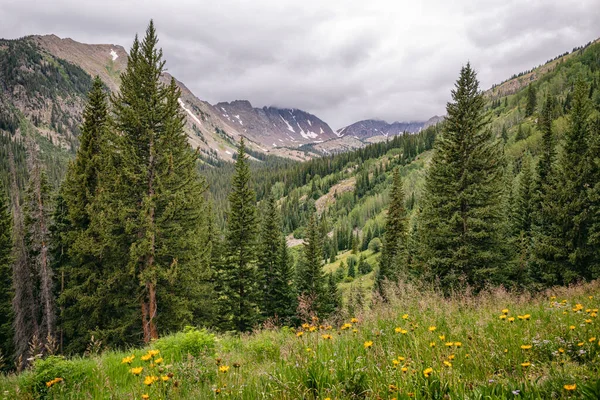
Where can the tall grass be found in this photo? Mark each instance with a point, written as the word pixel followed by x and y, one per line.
pixel 418 344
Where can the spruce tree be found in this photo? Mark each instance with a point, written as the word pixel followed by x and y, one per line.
pixel 240 267
pixel 150 207
pixel 311 278
pixel 285 292
pixel 74 243
pixel 531 100
pixel 593 192
pixel 273 268
pixel 562 252
pixel 6 294
pixel 37 217
pixel 521 220
pixel 462 216
pixel 394 239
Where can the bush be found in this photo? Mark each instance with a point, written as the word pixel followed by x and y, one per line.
pixel 73 372
pixel 191 341
pixel 375 245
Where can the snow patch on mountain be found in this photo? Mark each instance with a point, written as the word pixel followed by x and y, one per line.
pixel 288 124
pixel 114 54
pixel 190 113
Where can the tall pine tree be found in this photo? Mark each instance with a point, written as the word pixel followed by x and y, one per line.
pixel 150 207
pixel 462 217
pixel 240 273
pixel 273 270
pixel 311 278
pixel 75 243
pixel 394 239
pixel 6 294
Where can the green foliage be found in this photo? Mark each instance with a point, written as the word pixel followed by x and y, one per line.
pixel 375 245
pixel 393 252
pixel 239 272
pixel 75 373
pixel 6 294
pixel 462 216
pixel 190 341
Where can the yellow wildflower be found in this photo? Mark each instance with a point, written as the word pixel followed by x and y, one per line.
pixel 442 337
pixel 145 396
pixel 299 334
pixel 561 350
pixel 150 379
pixel 354 320
pixel 570 387
pixel 511 319
pixel 458 344
pixel 502 316
pixel 451 357
pixel 588 321
pixel 505 311
pixel 327 337
pixel 53 382
pixel 432 344
pixel 525 364
pixel 146 357
pixel 398 329
pixel 404 369
pixel 427 372
pixel 312 329
pixel 432 328
pixel 136 371
pixel 526 346
pixel 592 339
pixel 449 344
pixel 165 378
pixel 580 344
pixel 153 352
pixel 158 360
pixel 572 327
pixel 128 360
pixel 396 363
pixel 405 316
pixel 224 369
pixel 368 344
pixel 447 363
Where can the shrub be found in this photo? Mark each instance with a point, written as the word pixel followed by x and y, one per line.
pixel 73 372
pixel 375 245
pixel 191 341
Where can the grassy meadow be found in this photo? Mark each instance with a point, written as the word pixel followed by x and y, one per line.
pixel 418 344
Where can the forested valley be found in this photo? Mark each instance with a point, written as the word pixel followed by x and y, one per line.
pixel 133 240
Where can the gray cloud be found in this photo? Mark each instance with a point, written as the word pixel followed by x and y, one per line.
pixel 343 60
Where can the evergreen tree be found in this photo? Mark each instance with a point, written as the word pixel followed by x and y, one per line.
pixel 352 268
pixel 462 216
pixel 562 252
pixel 240 266
pixel 74 243
pixel 6 295
pixel 37 217
pixel 285 292
pixel 311 279
pixel 332 299
pixel 273 266
pixel 531 100
pixel 394 238
pixel 150 207
pixel 522 218
pixel 594 197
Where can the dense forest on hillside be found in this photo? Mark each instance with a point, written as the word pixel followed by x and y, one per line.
pixel 137 238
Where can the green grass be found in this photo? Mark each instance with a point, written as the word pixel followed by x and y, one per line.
pixel 278 364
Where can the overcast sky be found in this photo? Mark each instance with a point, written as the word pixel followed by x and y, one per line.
pixel 342 60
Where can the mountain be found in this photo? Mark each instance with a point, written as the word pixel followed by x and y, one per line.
pixel 372 128
pixel 44 82
pixel 276 127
